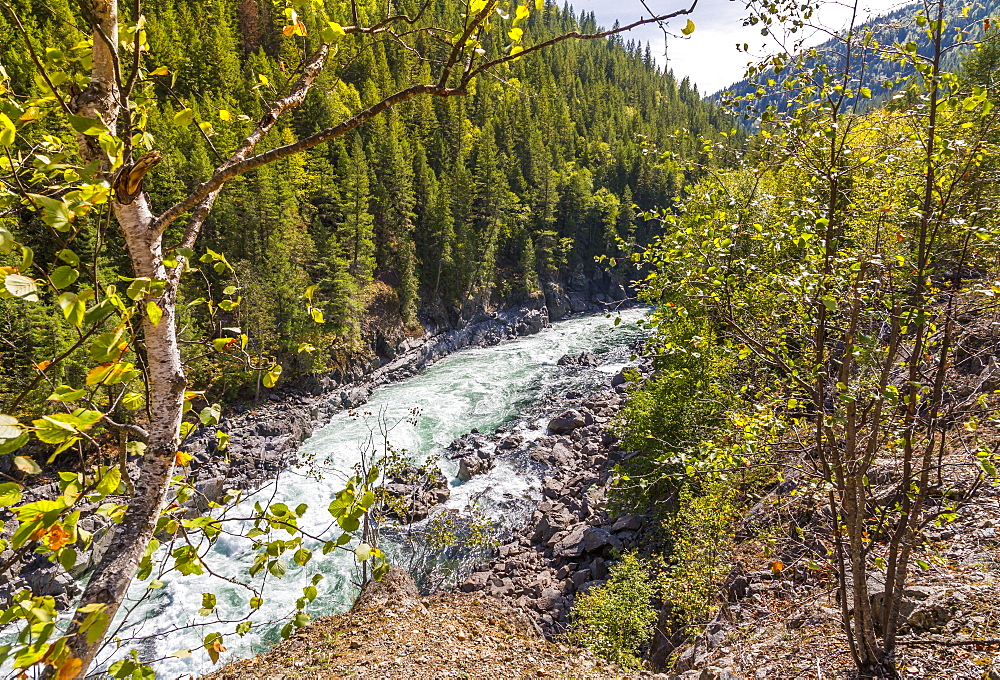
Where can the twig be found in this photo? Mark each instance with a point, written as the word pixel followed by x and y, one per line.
pixel 949 643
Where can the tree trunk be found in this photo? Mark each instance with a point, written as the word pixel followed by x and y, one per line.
pixel 115 572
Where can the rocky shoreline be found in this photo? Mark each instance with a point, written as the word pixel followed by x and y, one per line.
pixel 564 548
pixel 568 536
pixel 264 439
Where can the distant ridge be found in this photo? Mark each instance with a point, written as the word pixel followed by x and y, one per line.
pixel 896 27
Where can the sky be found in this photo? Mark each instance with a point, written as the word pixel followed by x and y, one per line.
pixel 709 56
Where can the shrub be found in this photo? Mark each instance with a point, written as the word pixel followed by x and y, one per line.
pixel 616 619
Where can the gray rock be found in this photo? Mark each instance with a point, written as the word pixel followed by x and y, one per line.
pixel 595 538
pixel 470 466
pixel 579 303
pixel 477 580
pixel 599 569
pixel 627 523
pixel 566 422
pixel 571 545
pixel 556 301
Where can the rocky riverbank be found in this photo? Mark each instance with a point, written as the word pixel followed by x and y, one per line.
pixel 568 536
pixel 264 438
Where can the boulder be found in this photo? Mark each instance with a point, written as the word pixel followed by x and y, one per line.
pixel 595 538
pixel 566 422
pixel 571 545
pixel 579 303
pixel 556 301
pixel 627 523
pixel 470 466
pixel 477 581
pixel 587 359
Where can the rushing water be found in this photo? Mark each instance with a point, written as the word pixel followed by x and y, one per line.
pixel 476 388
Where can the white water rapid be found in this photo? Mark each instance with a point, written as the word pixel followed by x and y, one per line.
pixel 476 388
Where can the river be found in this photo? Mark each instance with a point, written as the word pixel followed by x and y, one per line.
pixel 478 388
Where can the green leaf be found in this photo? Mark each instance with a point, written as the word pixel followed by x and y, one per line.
pixel 69 257
pixel 138 288
pixel 88 126
pixel 110 482
pixel 332 31
pixel 67 558
pixel 688 28
pixel 11 445
pixel 9 427
pixel 277 568
pixel 7 241
pixel 108 347
pixel 184 117
pixel 7 131
pixel 363 552
pixel 10 493
pixel 65 393
pixel 55 213
pixel 210 415
pixel 208 602
pixel 64 276
pixel 154 313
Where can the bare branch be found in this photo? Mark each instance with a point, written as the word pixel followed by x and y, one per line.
pixel 134 430
pixel 579 36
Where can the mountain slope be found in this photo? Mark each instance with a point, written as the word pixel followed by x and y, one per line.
pixel 875 55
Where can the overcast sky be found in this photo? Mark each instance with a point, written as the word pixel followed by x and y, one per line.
pixel 709 57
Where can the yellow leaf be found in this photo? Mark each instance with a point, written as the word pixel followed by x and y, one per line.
pixel 182 458
pixel 688 28
pixel 56 537
pixel 521 14
pixel 99 374
pixel 182 653
pixel 777 566
pixel 225 115
pixel 42 365
pixel 162 71
pixel 70 669
pixel 154 313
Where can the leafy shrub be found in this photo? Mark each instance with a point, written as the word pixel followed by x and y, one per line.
pixel 701 540
pixel 616 619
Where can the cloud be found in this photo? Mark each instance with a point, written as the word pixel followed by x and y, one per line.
pixel 709 57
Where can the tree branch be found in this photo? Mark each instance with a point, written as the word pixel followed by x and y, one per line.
pixel 227 172
pixel 134 430
pixel 579 36
pixel 205 194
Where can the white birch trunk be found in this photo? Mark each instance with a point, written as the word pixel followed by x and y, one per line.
pixel 117 569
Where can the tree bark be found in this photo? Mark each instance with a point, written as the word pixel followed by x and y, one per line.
pixel 118 566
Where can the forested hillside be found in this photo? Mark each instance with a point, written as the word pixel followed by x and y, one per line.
pixel 439 208
pixel 878 62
